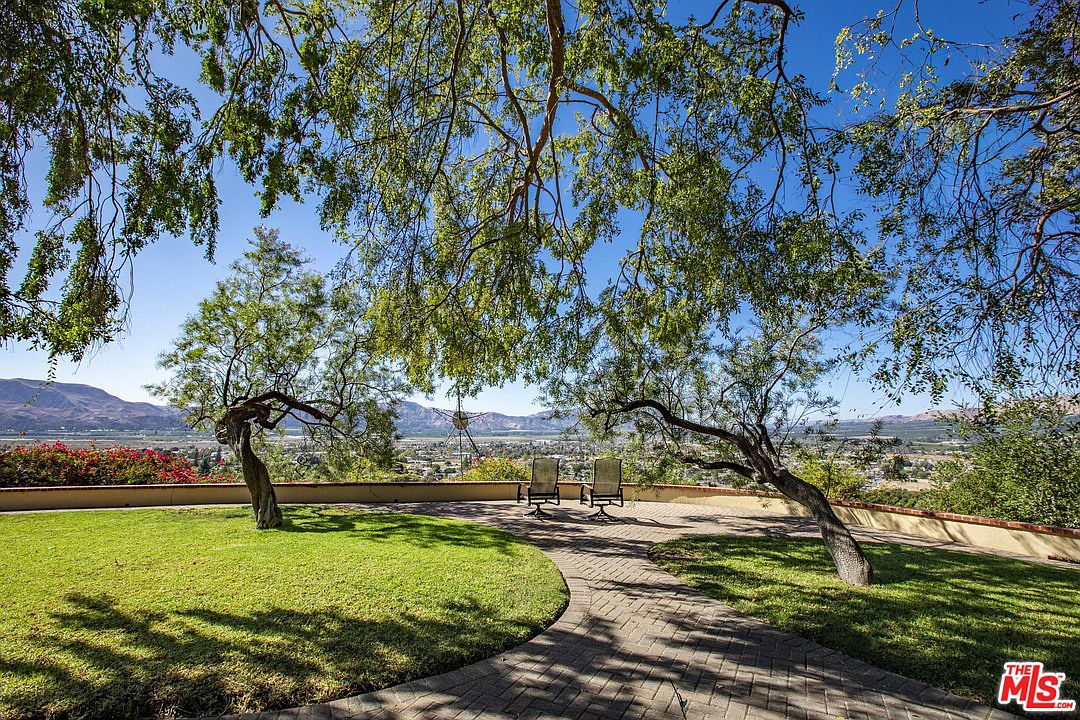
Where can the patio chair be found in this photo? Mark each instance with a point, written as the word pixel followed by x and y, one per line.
pixel 543 487
pixel 606 488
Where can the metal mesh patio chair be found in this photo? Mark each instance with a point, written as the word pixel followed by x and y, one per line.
pixel 606 488
pixel 543 487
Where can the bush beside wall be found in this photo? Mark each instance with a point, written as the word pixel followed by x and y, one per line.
pixel 56 464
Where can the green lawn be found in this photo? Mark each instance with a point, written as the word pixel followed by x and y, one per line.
pixel 139 613
pixel 949 619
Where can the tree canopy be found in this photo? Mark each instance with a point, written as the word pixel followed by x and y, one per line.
pixel 81 85
pixel 273 346
pixel 479 157
pixel 479 152
pixel 975 170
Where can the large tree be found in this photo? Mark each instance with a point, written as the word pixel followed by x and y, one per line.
pixel 969 145
pixel 975 161
pixel 273 346
pixel 480 155
pixel 718 358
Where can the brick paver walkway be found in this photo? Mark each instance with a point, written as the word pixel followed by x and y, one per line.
pixel 635 642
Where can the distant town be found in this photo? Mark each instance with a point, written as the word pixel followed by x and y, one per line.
pixel 429 448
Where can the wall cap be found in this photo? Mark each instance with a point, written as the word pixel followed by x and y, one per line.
pixel 173 486
pixel 896 510
pixel 698 489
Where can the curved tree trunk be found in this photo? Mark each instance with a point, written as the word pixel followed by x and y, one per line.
pixel 848 557
pixel 257 478
pixel 765 464
pixel 234 430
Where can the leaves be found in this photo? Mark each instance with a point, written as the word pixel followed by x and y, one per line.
pixel 974 174
pixel 273 333
pixel 80 87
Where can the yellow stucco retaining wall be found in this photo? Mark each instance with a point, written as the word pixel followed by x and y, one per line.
pixel 1011 537
pixel 983 533
pixel 56 498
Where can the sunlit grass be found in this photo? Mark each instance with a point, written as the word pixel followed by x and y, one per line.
pixel 949 619
pixel 139 613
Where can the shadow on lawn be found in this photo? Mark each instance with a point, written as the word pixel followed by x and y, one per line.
pixel 423 531
pixel 99 658
pixel 950 619
pixel 102 661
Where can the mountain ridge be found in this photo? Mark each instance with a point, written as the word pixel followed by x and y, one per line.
pixel 36 405
pixel 39 406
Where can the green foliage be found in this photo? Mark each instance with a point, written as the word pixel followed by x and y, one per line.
pixel 183 613
pixel 1023 466
pixel 975 170
pixel 893 496
pixel 894 468
pixel 273 326
pixel 840 480
pixel 344 464
pixel 263 322
pixel 126 163
pixel 493 469
pixel 646 465
pixel 932 615
pixel 283 466
pixel 477 186
pixel 839 467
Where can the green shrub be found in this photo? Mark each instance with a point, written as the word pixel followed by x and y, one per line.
pixel 889 495
pixel 837 479
pixel 1023 466
pixel 492 469
pixel 644 468
pixel 346 466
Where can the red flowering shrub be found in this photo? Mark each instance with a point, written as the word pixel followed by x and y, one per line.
pixel 43 464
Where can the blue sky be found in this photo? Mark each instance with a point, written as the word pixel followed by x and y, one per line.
pixel 171 276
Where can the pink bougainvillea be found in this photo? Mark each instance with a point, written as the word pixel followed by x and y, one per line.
pixel 44 464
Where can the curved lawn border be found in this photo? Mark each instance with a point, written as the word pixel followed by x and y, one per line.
pixel 62 497
pixel 1020 538
pixel 935 615
pixel 200 612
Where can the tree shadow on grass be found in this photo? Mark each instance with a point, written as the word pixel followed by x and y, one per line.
pixel 98 657
pixel 424 531
pixel 950 619
pixel 103 661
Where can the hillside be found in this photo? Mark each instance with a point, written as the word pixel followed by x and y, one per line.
pixel 416 419
pixel 36 406
pixel 33 405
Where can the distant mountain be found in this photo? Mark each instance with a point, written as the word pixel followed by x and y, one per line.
pixel 923 417
pixel 34 405
pixel 416 419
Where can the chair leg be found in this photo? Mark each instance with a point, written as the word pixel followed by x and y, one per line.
pixel 536 512
pixel 602 515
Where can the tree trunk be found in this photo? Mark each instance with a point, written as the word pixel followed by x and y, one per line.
pixel 235 431
pixel 848 557
pixel 764 464
pixel 257 479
